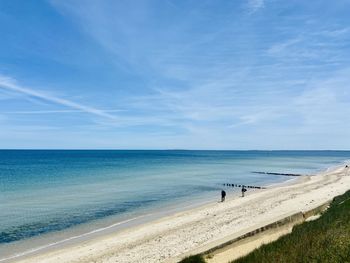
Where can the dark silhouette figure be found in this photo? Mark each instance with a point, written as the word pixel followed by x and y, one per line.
pixel 243 190
pixel 223 195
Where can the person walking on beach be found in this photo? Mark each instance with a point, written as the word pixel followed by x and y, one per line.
pixel 223 195
pixel 243 190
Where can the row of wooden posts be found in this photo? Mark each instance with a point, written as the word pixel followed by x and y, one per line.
pixel 245 186
pixel 260 187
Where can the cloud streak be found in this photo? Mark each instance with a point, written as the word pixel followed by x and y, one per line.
pixel 52 111
pixel 11 85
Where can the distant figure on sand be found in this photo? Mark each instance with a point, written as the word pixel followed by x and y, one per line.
pixel 223 195
pixel 346 166
pixel 243 190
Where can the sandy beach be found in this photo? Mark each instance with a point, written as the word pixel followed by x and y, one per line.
pixel 171 238
pixel 168 131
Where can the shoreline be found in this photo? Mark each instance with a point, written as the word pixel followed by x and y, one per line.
pixel 68 237
pixel 147 242
pixel 123 225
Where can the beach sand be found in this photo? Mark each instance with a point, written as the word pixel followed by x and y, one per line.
pixel 171 238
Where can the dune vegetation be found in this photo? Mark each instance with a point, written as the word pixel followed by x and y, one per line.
pixel 326 239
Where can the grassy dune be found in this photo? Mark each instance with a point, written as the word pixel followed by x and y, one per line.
pixel 326 239
pixel 193 259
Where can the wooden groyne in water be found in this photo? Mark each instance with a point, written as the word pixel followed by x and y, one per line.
pixel 260 187
pixel 283 174
pixel 245 186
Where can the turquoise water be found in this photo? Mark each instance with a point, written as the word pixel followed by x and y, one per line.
pixel 49 191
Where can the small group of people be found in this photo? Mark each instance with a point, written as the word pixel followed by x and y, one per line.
pixel 223 193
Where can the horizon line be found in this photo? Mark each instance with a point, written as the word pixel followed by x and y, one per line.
pixel 135 149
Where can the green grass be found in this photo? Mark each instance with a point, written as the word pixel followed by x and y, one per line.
pixel 326 239
pixel 193 259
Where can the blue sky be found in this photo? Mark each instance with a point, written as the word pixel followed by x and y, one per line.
pixel 242 74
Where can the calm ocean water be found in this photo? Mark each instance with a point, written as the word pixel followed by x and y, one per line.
pixel 48 191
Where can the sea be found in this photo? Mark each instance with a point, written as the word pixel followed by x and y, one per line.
pixel 52 197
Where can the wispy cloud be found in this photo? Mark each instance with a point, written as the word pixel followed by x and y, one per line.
pixel 53 111
pixel 335 32
pixel 324 105
pixel 10 84
pixel 283 46
pixel 254 5
pixel 195 74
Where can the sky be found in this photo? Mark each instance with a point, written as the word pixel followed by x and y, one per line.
pixel 174 74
